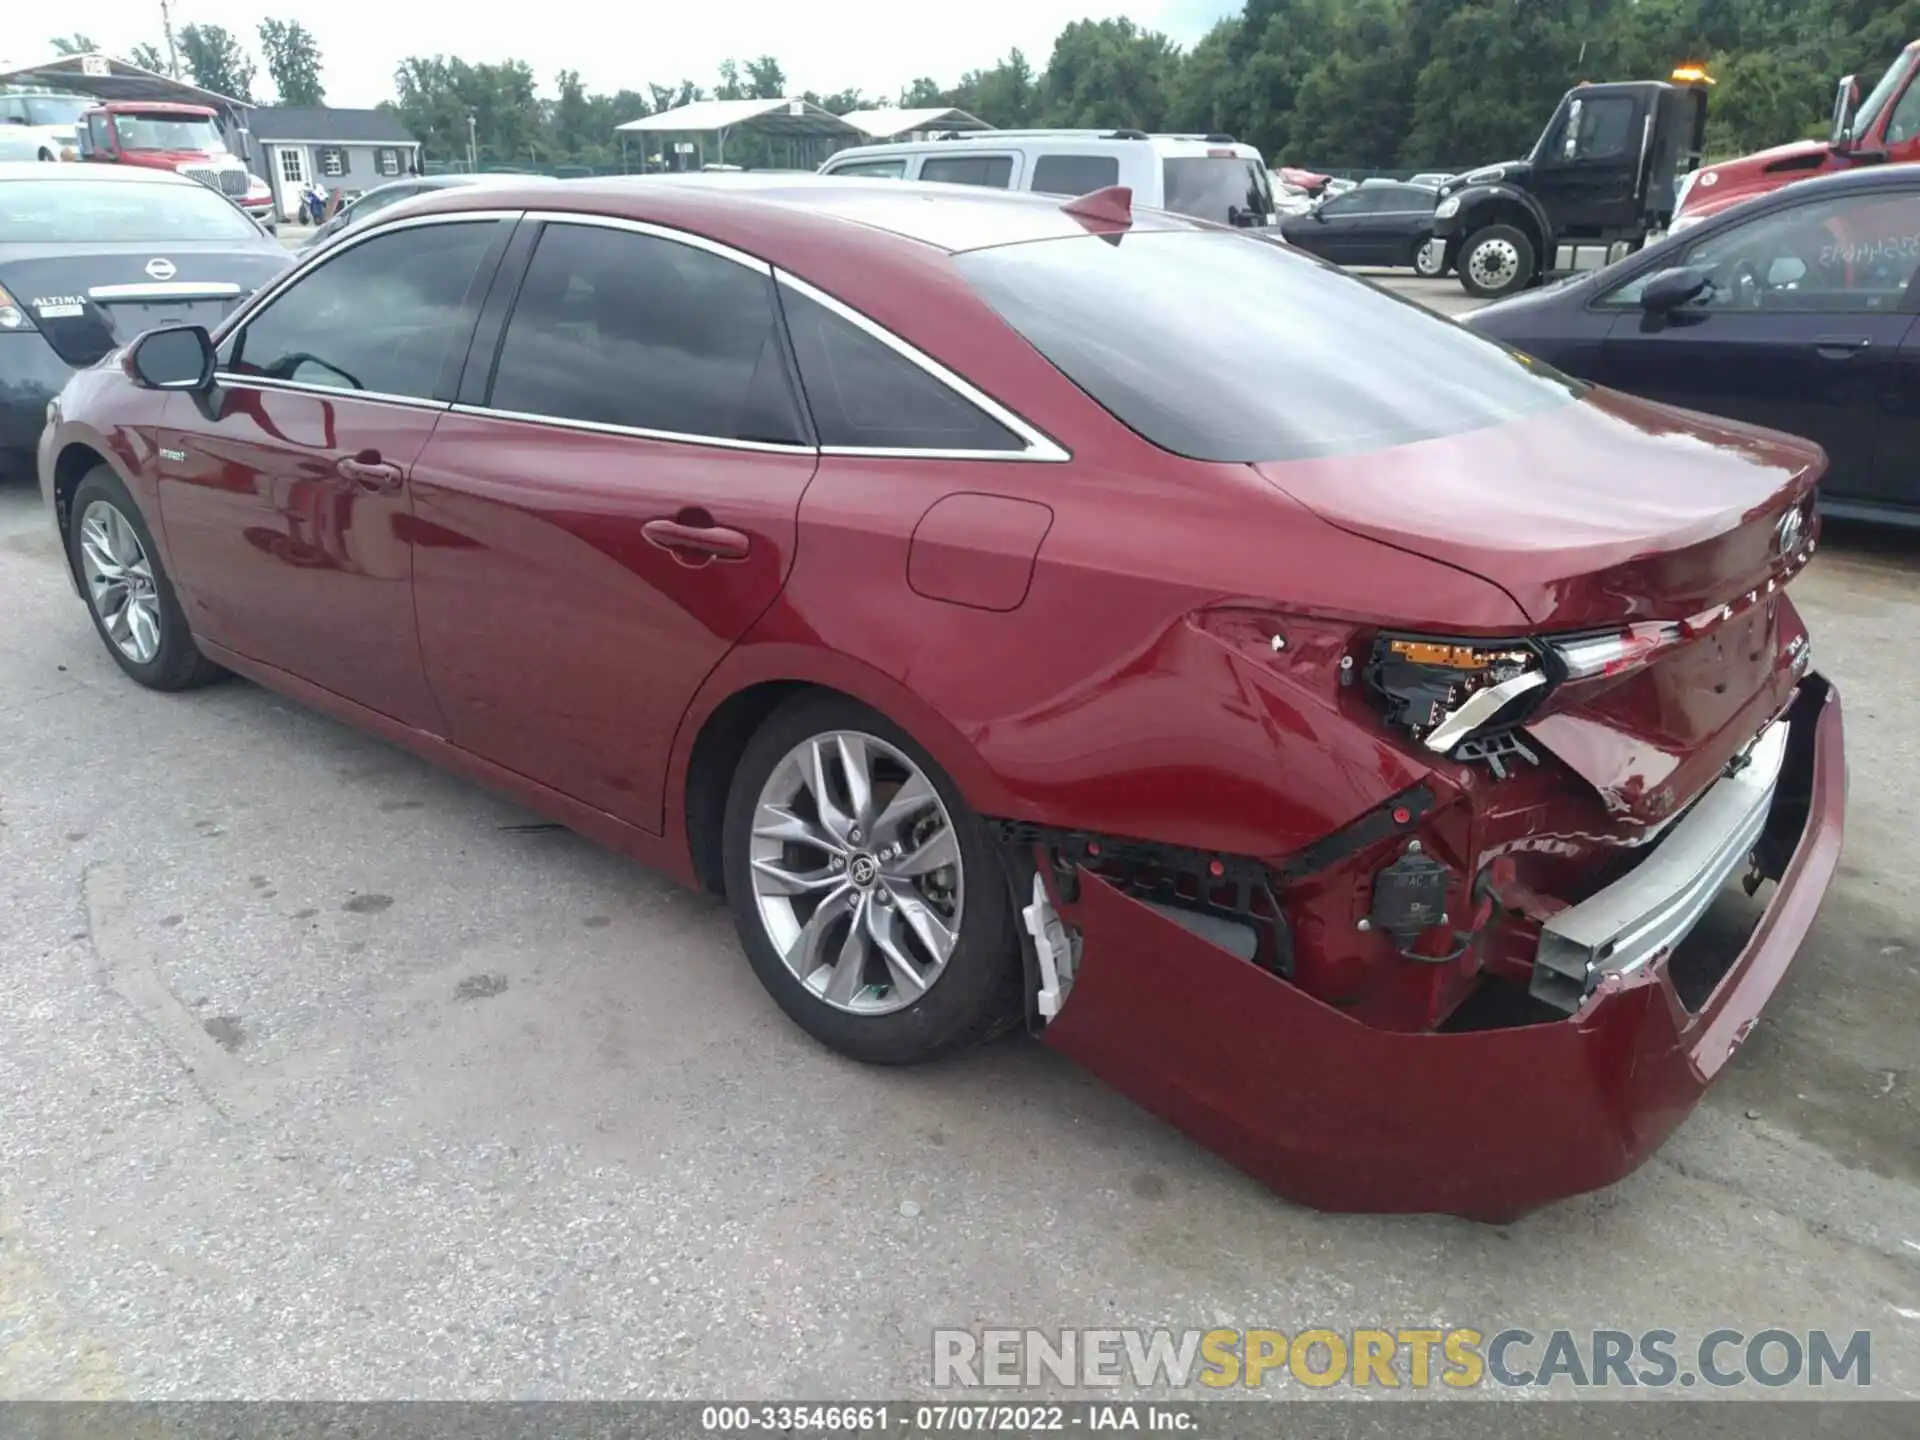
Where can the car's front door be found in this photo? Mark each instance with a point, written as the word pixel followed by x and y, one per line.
pixel 284 491
pixel 609 508
pixel 1333 230
pixel 1800 329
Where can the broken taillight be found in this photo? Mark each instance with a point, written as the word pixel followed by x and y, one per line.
pixel 1443 691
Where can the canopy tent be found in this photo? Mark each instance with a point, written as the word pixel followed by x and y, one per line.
pixel 892 123
pixel 798 122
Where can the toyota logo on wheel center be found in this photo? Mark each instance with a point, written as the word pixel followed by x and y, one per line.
pixel 160 268
pixel 864 870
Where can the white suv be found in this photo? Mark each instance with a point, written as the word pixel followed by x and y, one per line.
pixel 41 125
pixel 1210 177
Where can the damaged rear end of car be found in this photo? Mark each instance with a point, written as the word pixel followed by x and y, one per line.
pixel 1488 986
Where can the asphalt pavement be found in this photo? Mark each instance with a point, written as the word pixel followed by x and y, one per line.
pixel 323 1074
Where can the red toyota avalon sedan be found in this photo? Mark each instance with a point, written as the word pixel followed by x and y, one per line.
pixel 1316 719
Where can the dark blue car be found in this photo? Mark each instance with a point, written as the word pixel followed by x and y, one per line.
pixel 1796 310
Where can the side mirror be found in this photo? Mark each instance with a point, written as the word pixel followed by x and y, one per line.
pixel 1846 100
pixel 1671 289
pixel 179 357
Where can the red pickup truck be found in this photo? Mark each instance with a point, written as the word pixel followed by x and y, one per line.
pixel 183 138
pixel 1882 129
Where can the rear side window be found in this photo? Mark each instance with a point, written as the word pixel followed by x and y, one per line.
pixel 866 395
pixel 995 171
pixel 1074 174
pixel 872 169
pixel 391 315
pixel 617 328
pixel 1234 348
pixel 1225 189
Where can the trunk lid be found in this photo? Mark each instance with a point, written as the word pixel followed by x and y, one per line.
pixel 1606 512
pixel 1610 513
pixel 88 300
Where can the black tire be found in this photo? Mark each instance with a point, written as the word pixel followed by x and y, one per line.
pixel 1480 277
pixel 976 996
pixel 1420 266
pixel 177 664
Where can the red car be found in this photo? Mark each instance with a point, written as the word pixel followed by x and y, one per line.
pixel 1320 721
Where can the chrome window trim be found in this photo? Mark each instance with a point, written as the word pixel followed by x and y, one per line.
pixel 1040 447
pixel 632 432
pixel 168 290
pixel 329 253
pixel 237 381
pixel 657 232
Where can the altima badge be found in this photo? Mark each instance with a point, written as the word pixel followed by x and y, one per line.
pixel 160 269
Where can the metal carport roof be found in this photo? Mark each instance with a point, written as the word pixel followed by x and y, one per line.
pixel 885 123
pixel 106 78
pixel 791 119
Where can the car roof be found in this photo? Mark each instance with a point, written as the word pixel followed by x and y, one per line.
pixel 112 174
pixel 728 207
pixel 1086 142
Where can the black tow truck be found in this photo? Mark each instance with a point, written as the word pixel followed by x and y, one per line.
pixel 1603 173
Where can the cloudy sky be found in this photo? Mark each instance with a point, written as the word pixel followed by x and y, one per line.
pixel 823 47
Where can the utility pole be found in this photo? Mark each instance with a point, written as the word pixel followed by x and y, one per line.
pixel 173 55
pixel 473 148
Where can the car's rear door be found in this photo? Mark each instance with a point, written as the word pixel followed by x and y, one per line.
pixel 609 507
pixel 285 491
pixel 1398 218
pixel 1800 331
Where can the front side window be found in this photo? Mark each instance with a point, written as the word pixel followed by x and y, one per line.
pixel 994 171
pixel 866 395
pixel 872 169
pixel 618 328
pixel 391 315
pixel 1235 348
pixel 1845 255
pixel 1877 98
pixel 97 131
pixel 1904 123
pixel 1598 128
pixel 1075 174
pixel 74 212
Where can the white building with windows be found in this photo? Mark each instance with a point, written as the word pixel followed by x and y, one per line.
pixel 347 150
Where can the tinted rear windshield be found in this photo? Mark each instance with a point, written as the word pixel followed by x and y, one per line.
pixel 1235 348
pixel 1228 190
pixel 70 212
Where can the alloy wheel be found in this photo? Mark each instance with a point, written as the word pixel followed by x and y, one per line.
pixel 856 872
pixel 1494 263
pixel 120 582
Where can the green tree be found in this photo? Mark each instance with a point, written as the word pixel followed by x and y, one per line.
pixel 74 44
pixel 216 62
pixel 293 60
pixel 148 57
pixel 1109 72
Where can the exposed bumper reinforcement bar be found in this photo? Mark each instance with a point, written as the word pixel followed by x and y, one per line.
pixel 1646 913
